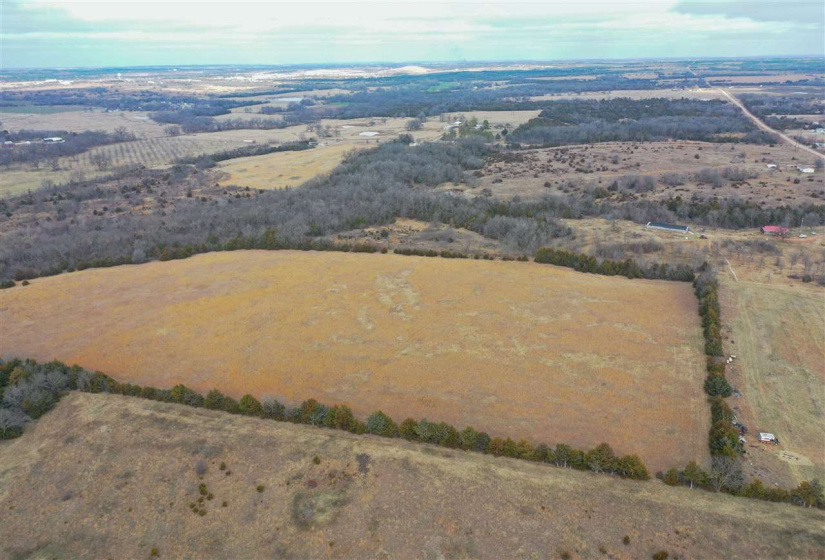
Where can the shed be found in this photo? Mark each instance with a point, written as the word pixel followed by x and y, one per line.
pixel 803 169
pixel 771 166
pixel 668 227
pixel 774 230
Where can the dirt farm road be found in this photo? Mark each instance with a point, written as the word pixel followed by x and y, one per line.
pixel 766 128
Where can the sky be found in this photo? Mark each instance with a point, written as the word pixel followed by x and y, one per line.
pixel 68 33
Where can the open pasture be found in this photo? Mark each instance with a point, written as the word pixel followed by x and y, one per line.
pixel 576 169
pixel 131 462
pixel 515 349
pixel 283 169
pixel 79 120
pixel 779 340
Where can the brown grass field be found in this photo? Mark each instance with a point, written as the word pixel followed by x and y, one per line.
pixel 284 169
pixel 137 122
pixel 105 476
pixel 511 348
pixel 773 187
pixel 779 340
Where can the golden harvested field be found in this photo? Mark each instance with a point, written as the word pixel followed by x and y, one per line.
pixel 105 476
pixel 283 169
pixel 779 334
pixel 512 348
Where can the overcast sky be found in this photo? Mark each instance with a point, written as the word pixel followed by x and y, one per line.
pixel 38 33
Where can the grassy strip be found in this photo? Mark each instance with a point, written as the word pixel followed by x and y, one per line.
pixel 32 389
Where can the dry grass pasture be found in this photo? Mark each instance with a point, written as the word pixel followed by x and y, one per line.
pixel 283 169
pixel 137 122
pixel 574 169
pixel 511 348
pixel 109 476
pixel 778 335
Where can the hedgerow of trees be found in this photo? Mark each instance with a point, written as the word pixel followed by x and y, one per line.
pixel 628 268
pixel 29 390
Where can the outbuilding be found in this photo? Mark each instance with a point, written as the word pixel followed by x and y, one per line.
pixel 805 169
pixel 668 227
pixel 775 230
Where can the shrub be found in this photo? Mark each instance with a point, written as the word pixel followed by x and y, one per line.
pixel 380 424
pixel 602 459
pixel 250 406
pixel 693 475
pixel 626 539
pixel 182 394
pixel 473 440
pixel 717 385
pixel 660 555
pixel 260 488
pixel 273 409
pixel 631 466
pixel 407 429
pixel 724 439
pixel 671 477
pixel 808 494
pixel 719 409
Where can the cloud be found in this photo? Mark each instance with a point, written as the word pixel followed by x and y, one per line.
pixel 800 11
pixel 120 32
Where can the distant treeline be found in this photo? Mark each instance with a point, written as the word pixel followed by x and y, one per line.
pixel 778 111
pixel 114 100
pixel 73 144
pixel 627 120
pixel 370 188
pixel 28 390
pixel 467 91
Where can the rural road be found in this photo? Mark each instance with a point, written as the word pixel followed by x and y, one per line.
pixel 766 128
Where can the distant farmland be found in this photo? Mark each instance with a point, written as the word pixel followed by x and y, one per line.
pixel 149 152
pixel 511 348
